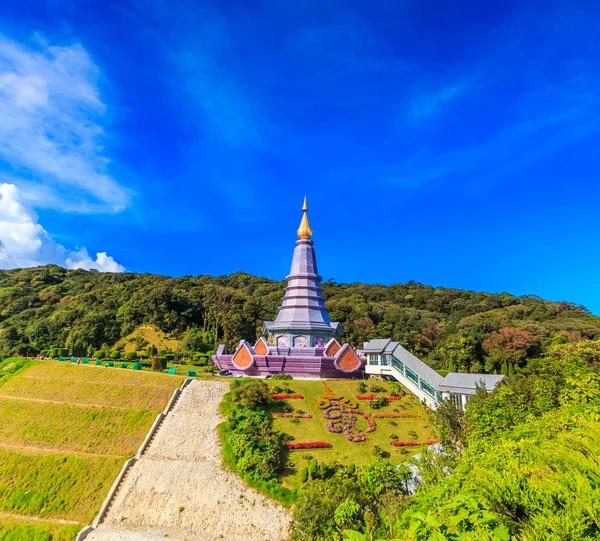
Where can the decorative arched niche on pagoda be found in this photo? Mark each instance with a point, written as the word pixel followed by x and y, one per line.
pixel 300 341
pixel 243 358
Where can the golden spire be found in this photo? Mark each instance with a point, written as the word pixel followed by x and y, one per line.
pixel 304 231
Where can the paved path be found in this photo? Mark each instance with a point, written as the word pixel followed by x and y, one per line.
pixel 179 489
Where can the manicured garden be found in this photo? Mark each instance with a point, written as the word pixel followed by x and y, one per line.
pixel 332 412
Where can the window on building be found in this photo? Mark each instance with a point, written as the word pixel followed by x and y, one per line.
pixel 412 376
pixel 386 360
pixel 397 364
pixel 373 358
pixel 456 399
pixel 428 388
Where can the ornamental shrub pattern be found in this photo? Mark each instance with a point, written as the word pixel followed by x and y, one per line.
pixel 343 420
pixel 413 443
pixel 295 415
pixel 308 445
pixel 283 396
pixel 373 397
pixel 392 415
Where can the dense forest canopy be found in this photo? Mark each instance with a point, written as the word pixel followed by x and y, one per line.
pixel 451 329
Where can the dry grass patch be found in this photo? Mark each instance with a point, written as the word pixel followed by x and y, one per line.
pixel 73 428
pixel 92 385
pixel 51 415
pixel 151 334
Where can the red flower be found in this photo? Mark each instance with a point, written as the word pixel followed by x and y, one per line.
pixel 392 415
pixel 412 443
pixel 366 397
pixel 282 396
pixel 406 443
pixel 308 445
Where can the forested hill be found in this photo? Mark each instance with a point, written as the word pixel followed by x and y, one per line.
pixel 81 310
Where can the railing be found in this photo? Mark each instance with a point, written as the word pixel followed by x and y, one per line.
pixel 405 374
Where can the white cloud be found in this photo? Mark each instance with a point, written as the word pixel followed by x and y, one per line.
pixel 103 262
pixel 25 243
pixel 51 135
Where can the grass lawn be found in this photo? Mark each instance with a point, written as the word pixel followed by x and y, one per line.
pixel 342 450
pixel 63 427
pixel 92 385
pixel 65 431
pixel 55 485
pixel 28 530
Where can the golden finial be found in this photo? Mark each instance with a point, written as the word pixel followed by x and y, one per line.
pixel 304 231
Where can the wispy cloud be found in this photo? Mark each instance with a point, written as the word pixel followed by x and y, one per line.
pixel 551 119
pixel 25 243
pixel 51 134
pixel 427 105
pixel 220 97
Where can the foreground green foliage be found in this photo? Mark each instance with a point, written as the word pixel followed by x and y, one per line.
pixel 11 366
pixel 529 468
pixel 250 445
pixel 85 311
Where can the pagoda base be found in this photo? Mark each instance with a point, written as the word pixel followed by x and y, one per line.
pixel 298 366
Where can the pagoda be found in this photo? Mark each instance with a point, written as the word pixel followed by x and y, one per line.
pixel 302 341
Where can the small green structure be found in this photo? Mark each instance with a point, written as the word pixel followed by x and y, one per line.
pixel 110 364
pixel 124 365
pixel 73 360
pixel 191 373
pixel 61 358
pixel 173 371
pixel 137 366
pixel 98 362
pixel 85 360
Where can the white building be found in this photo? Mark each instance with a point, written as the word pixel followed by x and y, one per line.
pixel 388 358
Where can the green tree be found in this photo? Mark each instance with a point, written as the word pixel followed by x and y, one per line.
pixel 252 394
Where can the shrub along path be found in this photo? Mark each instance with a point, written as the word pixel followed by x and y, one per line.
pixel 180 489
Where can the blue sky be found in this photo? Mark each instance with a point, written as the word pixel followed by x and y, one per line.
pixel 455 144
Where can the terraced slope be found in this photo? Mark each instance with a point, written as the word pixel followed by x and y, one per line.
pixel 65 431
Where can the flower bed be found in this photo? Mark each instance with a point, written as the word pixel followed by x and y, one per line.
pixel 308 445
pixel 295 415
pixel 283 396
pixel 373 397
pixel 412 443
pixel 344 420
pixel 392 415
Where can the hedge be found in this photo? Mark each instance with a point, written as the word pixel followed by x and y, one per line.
pixel 308 445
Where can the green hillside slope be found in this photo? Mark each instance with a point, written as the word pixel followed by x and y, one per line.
pixel 452 329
